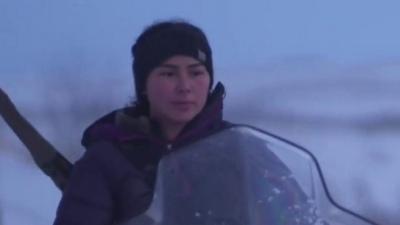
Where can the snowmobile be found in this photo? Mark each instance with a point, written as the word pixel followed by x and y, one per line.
pixel 243 176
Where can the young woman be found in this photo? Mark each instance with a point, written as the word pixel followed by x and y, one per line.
pixel 176 105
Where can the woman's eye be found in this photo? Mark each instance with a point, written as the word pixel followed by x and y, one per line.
pixel 197 73
pixel 167 74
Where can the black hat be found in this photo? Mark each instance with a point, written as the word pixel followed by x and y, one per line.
pixel 162 41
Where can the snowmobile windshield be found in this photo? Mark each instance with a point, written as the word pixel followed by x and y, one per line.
pixel 242 176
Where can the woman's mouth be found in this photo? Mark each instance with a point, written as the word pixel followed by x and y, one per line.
pixel 183 105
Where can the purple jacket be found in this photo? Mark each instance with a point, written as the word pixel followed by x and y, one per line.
pixel 114 179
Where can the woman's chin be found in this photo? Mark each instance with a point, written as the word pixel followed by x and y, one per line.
pixel 183 117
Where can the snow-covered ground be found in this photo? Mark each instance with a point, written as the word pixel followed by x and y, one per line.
pixel 27 197
pixel 349 117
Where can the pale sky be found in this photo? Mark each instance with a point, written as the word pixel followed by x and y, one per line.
pixel 37 36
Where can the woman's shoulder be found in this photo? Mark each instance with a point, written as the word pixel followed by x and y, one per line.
pixel 116 126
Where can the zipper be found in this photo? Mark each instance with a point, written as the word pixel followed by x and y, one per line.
pixel 169 147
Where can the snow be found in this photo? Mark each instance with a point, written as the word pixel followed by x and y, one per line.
pixel 27 197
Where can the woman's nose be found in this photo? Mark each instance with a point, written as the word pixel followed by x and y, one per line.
pixel 184 83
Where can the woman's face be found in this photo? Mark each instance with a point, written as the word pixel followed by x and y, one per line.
pixel 177 90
